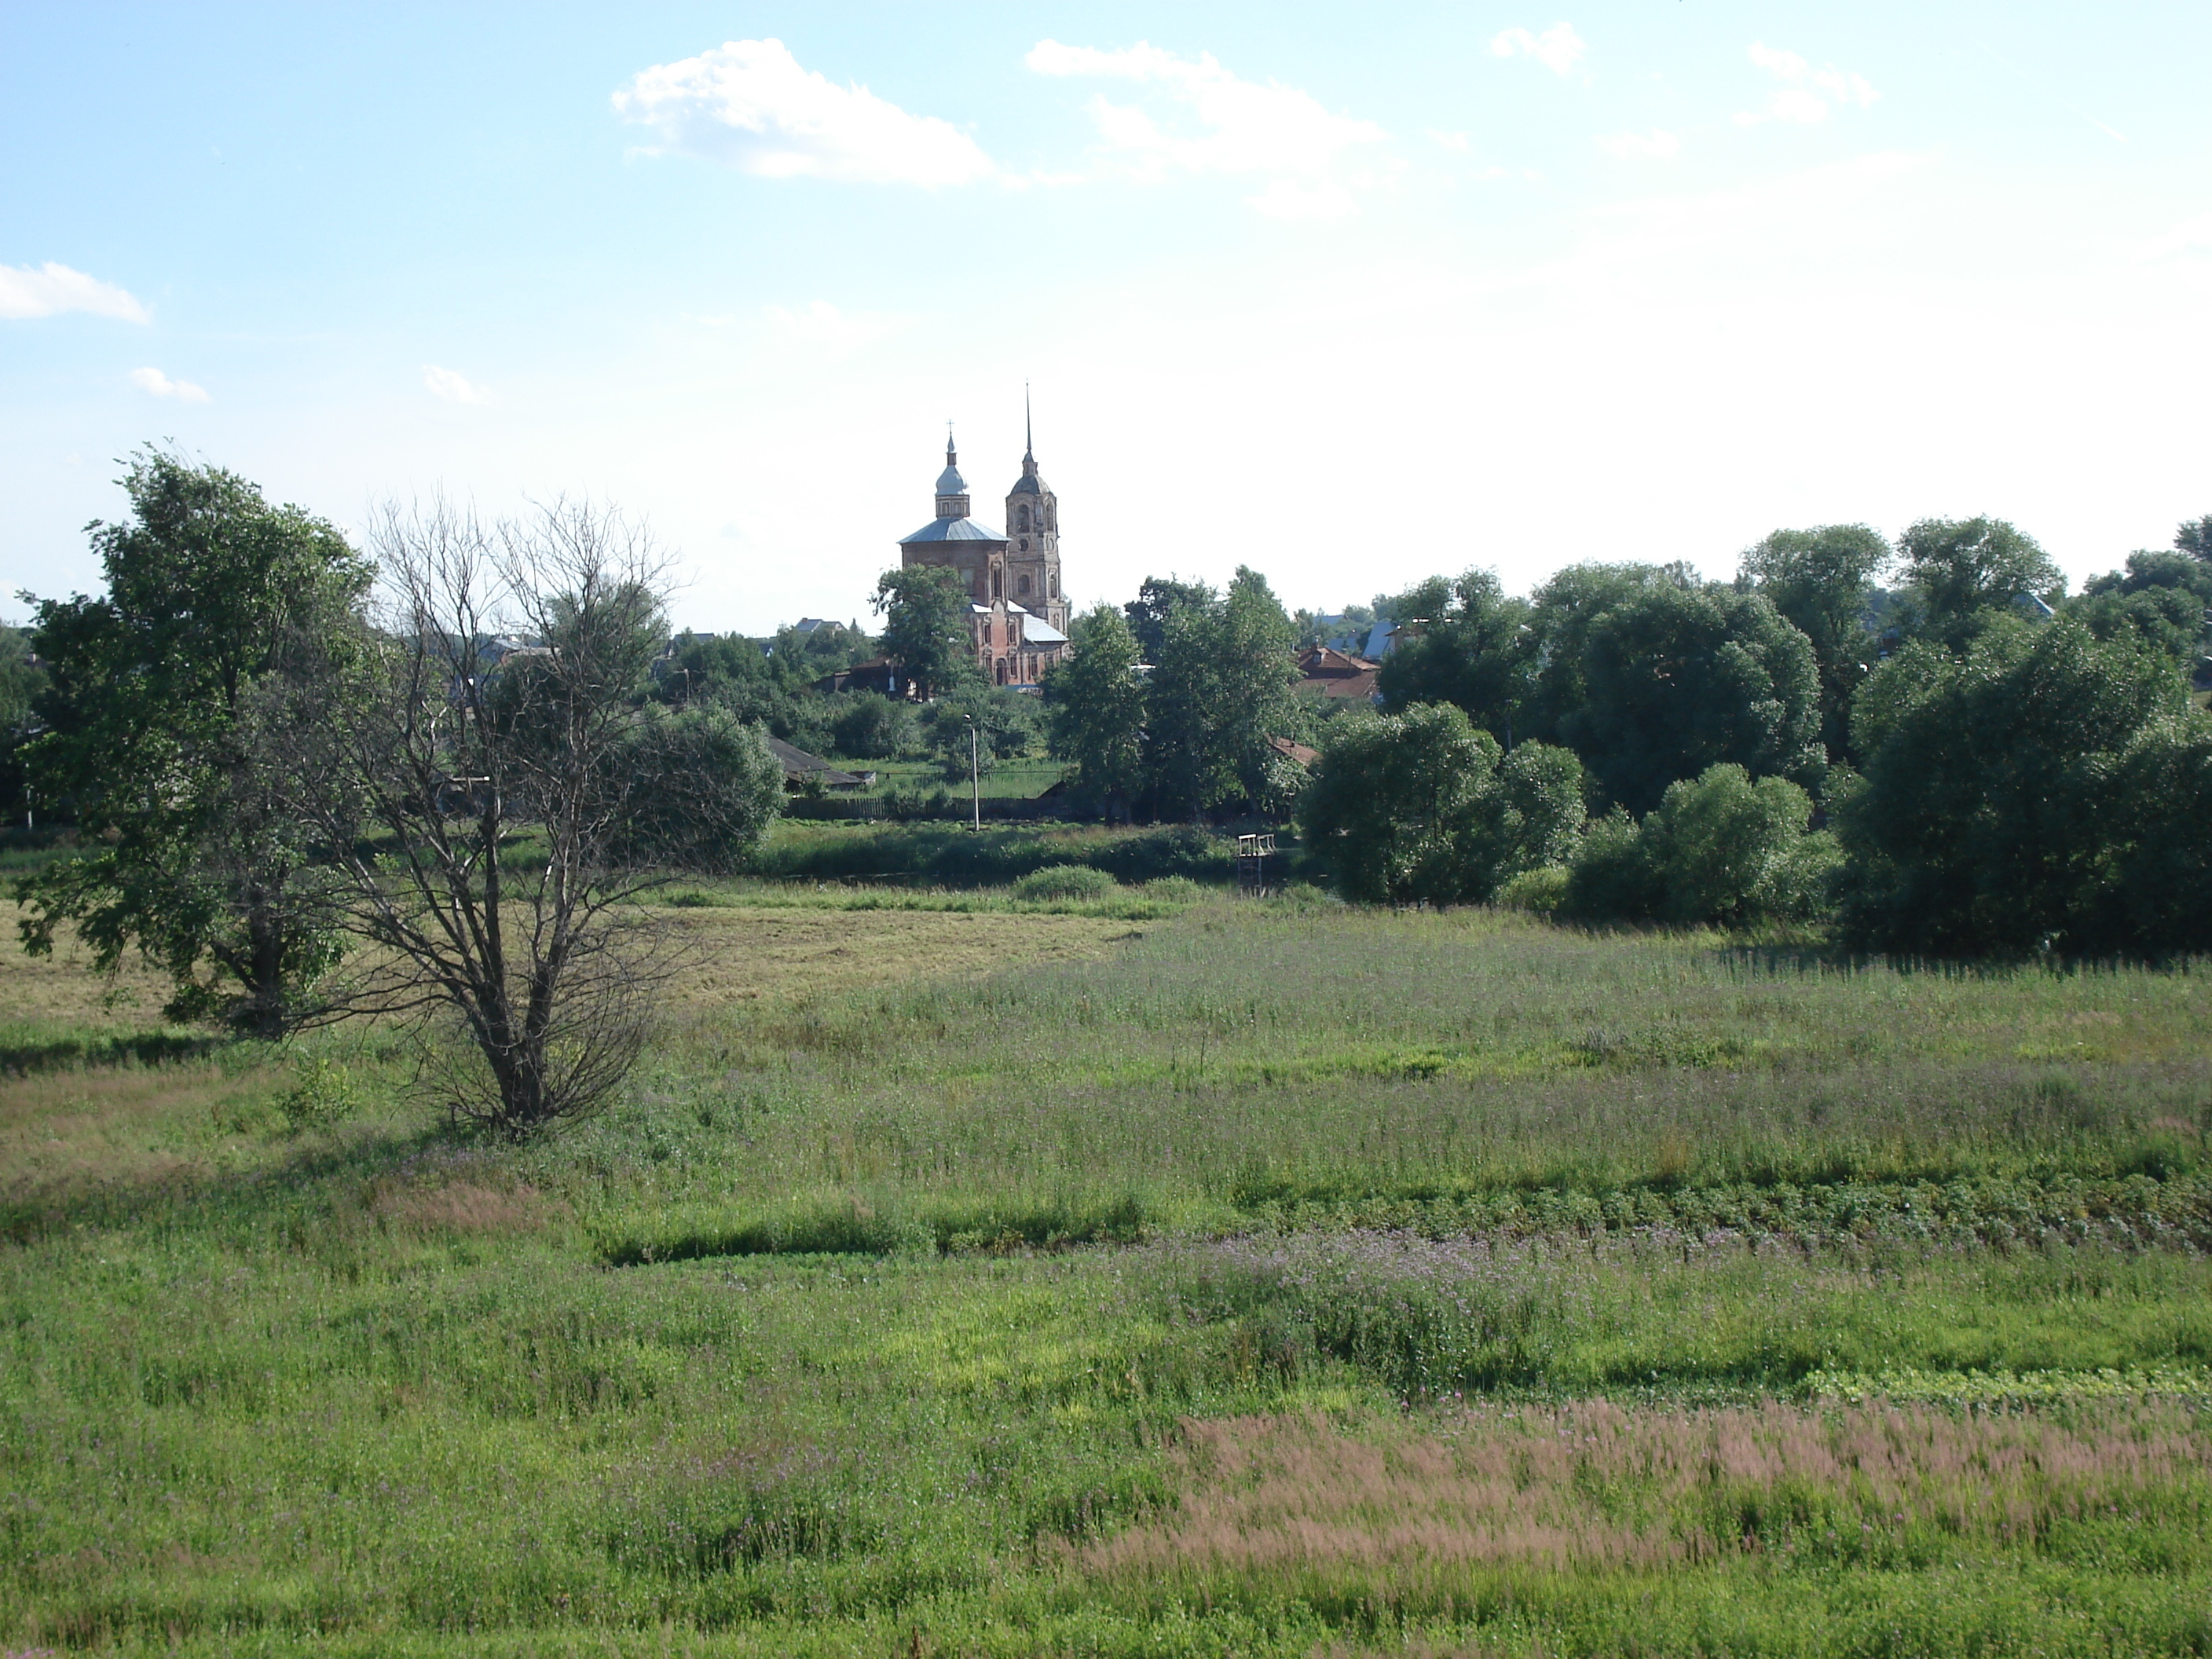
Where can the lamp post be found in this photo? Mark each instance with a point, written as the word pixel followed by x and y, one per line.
pixel 974 774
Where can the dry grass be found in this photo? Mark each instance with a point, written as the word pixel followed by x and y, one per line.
pixel 1593 1485
pixel 747 956
pixel 63 990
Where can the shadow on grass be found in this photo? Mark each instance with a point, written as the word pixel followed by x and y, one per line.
pixel 26 1056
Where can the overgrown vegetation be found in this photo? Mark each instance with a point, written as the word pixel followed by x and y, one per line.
pixel 1282 1278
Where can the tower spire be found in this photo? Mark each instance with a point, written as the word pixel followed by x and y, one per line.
pixel 951 459
pixel 1028 435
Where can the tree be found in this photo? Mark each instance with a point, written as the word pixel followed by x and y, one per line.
pixel 1679 680
pixel 2195 538
pixel 924 612
pixel 1157 598
pixel 1960 572
pixel 2164 599
pixel 1473 647
pixel 1004 719
pixel 1417 808
pixel 1094 702
pixel 2019 797
pixel 1561 613
pixel 497 797
pixel 1719 848
pixel 702 789
pixel 1220 690
pixel 869 726
pixel 21 684
pixel 1822 580
pixel 156 737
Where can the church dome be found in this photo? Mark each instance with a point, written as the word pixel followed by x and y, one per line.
pixel 949 483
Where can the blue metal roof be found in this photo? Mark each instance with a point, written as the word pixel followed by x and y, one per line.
pixel 952 530
pixel 949 483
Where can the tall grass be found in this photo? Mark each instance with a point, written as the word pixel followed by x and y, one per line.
pixel 800 1347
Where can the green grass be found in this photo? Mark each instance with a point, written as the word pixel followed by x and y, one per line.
pixel 1283 1279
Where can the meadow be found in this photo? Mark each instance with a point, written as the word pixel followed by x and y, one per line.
pixel 1155 1274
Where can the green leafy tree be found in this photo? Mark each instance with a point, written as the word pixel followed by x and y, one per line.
pixel 1419 807
pixel 2195 538
pixel 1469 645
pixel 1157 598
pixel 699 788
pixel 1960 572
pixel 924 612
pixel 1822 582
pixel 1561 613
pixel 1678 679
pixel 1720 849
pixel 22 683
pixel 1094 702
pixel 2011 798
pixel 1004 721
pixel 869 726
pixel 158 738
pixel 1220 691
pixel 2164 599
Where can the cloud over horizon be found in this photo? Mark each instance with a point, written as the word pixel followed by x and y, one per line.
pixel 748 103
pixel 1806 95
pixel 47 290
pixel 1558 48
pixel 156 384
pixel 1243 127
pixel 451 387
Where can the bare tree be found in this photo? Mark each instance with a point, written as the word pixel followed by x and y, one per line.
pixel 476 780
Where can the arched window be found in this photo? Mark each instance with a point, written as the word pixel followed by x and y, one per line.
pixel 1022 517
pixel 995 592
pixel 1022 585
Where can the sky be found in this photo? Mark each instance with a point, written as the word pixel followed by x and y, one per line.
pixel 1353 295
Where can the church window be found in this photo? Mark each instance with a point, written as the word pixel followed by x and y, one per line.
pixel 994 585
pixel 1022 518
pixel 1025 543
pixel 1022 585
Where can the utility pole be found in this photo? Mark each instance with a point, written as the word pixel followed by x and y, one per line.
pixel 975 773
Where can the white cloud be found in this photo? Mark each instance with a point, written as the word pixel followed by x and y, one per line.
pixel 153 382
pixel 453 388
pixel 1806 95
pixel 1241 127
pixel 820 323
pixel 1655 145
pixel 1458 141
pixel 48 290
pixel 749 104
pixel 1558 48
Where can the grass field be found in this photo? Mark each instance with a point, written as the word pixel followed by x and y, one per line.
pixel 1227 1278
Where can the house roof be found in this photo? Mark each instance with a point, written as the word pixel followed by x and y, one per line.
pixel 1332 673
pixel 798 763
pixel 1037 631
pixel 1294 751
pixel 952 530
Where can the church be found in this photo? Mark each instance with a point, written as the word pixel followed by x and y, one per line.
pixel 1017 608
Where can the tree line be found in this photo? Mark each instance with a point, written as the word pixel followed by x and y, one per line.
pixel 1927 748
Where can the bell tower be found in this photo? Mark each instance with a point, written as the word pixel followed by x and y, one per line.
pixel 1033 537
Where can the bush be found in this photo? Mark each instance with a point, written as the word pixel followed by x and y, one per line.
pixel 1718 848
pixel 1059 882
pixel 1174 889
pixel 1540 892
pixel 869 726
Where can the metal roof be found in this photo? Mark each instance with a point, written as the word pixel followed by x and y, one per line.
pixel 949 483
pixel 952 530
pixel 1036 631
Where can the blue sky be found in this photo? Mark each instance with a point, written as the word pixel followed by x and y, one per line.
pixel 1351 294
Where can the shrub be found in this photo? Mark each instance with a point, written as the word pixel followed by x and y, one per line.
pixel 1066 881
pixel 1540 892
pixel 1717 849
pixel 1173 890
